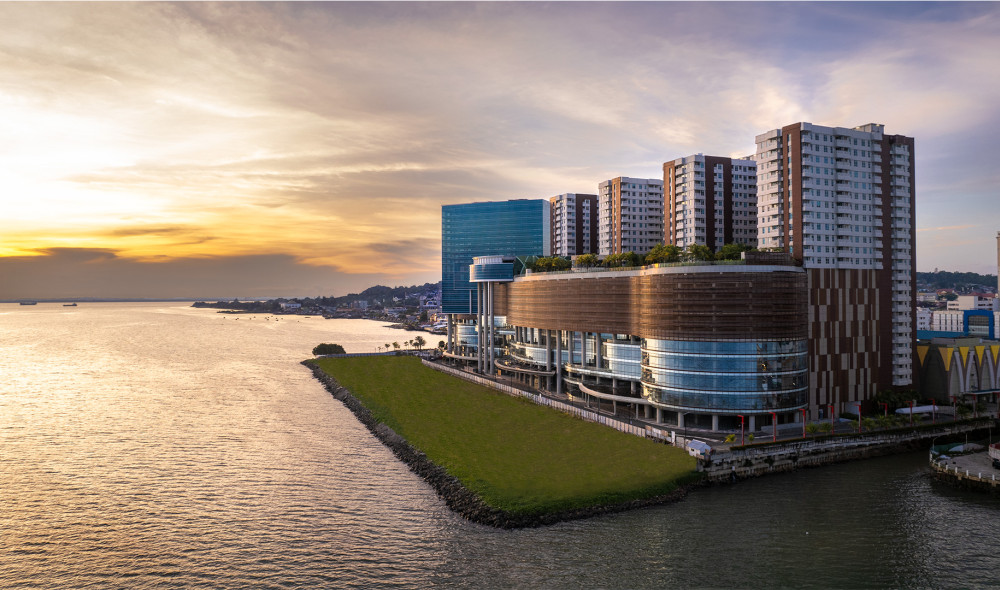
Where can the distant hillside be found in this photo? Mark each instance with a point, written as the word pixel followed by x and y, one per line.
pixel 383 294
pixel 960 281
pixel 378 295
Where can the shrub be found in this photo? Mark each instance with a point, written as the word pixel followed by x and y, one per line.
pixel 812 428
pixel 327 348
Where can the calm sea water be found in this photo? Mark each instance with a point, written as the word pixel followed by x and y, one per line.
pixel 160 446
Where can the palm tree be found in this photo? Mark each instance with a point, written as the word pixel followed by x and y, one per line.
pixel 395 345
pixel 419 342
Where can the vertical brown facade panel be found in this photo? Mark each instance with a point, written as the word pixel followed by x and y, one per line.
pixel 616 215
pixel 785 203
pixel 843 343
pixel 710 163
pixel 669 203
pixel 552 223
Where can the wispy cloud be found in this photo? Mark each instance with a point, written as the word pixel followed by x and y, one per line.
pixel 324 131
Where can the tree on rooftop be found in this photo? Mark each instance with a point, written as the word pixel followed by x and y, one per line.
pixel 587 261
pixel 698 252
pixel 550 263
pixel 622 259
pixel 732 251
pixel 663 253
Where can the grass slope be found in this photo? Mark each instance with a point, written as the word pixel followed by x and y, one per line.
pixel 515 455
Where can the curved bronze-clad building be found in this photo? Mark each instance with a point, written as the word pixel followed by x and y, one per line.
pixel 706 342
pixel 680 302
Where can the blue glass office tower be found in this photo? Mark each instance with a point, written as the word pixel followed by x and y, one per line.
pixel 494 228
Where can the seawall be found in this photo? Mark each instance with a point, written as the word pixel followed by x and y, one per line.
pixel 753 462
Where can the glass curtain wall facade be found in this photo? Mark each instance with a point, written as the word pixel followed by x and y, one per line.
pixel 502 228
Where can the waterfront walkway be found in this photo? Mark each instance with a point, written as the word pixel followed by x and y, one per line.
pixel 974 470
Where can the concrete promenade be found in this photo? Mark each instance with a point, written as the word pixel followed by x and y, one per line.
pixel 974 471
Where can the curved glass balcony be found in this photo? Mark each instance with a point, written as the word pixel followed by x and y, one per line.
pixel 725 377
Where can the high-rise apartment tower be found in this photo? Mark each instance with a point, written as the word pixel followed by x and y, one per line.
pixel 574 224
pixel 631 215
pixel 842 201
pixel 710 200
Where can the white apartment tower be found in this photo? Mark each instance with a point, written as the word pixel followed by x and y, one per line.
pixel 631 215
pixel 573 224
pixel 842 201
pixel 710 200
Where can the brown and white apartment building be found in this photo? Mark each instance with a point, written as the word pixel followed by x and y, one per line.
pixel 841 200
pixel 710 200
pixel 573 224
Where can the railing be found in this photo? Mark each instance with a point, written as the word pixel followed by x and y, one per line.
pixel 838 442
pixel 583 414
pixel 355 354
pixel 963 473
pixel 624 268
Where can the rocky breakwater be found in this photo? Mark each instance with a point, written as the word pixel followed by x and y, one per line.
pixel 456 496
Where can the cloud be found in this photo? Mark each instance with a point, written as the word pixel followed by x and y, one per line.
pixel 947 228
pixel 331 133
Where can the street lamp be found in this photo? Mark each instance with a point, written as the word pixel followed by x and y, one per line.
pixel 742 440
pixel 911 412
pixel 833 428
pixel 954 407
pixel 774 422
pixel 803 410
pixel 885 408
pixel 859 416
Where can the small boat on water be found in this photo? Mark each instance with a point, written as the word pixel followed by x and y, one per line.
pixel 69 304
pixel 29 303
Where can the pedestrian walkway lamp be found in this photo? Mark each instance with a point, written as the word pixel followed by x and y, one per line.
pixel 954 408
pixel 774 421
pixel 803 410
pixel 742 439
pixel 833 428
pixel 885 408
pixel 859 416
pixel 911 411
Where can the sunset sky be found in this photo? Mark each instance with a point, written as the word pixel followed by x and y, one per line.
pixel 220 150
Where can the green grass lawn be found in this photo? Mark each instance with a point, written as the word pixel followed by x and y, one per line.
pixel 515 455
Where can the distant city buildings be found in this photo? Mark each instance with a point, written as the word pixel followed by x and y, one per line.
pixel 710 200
pixel 631 215
pixel 574 227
